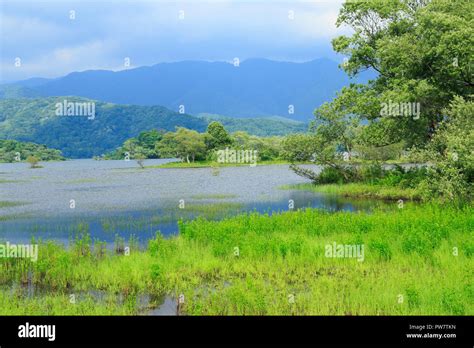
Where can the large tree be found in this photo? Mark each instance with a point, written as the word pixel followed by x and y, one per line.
pixel 217 136
pixel 422 52
pixel 186 144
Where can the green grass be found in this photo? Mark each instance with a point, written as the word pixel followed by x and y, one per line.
pixel 59 304
pixel 6 181
pixel 408 252
pixel 210 211
pixel 359 190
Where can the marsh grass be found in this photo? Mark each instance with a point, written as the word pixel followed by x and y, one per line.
pixel 213 196
pixel 408 252
pixel 8 181
pixel 8 204
pixel 209 211
pixel 10 217
pixel 80 181
pixel 358 190
pixel 169 214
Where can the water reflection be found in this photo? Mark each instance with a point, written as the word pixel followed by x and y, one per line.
pixel 144 223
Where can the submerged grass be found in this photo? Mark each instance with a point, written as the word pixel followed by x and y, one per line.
pixel 264 265
pixel 211 209
pixel 213 196
pixel 7 181
pixel 8 204
pixel 80 181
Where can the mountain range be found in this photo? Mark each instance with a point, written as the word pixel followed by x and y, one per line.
pixel 254 88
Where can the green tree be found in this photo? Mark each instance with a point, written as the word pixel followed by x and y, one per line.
pixel 147 141
pixel 167 146
pixel 299 147
pixel 186 144
pixel 422 51
pixel 218 136
pixel 268 148
pixel 13 151
pixel 451 155
pixel 190 144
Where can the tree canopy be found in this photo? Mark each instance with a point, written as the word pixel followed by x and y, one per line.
pixel 420 102
pixel 423 52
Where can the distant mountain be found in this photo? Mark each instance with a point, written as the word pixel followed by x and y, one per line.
pixel 260 126
pixel 18 91
pixel 256 88
pixel 35 120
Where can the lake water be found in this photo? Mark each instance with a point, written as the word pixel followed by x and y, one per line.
pixel 116 198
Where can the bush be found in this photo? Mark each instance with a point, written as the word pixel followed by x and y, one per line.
pixel 450 152
pixel 330 175
pixel 404 178
pixel 33 161
pixel 370 173
pixel 444 182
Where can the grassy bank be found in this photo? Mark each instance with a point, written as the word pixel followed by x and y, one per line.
pixel 259 264
pixel 360 190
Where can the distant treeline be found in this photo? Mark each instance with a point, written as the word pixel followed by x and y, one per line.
pixel 16 151
pixel 190 145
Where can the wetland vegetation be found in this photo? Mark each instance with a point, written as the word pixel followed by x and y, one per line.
pixel 418 260
pixel 213 238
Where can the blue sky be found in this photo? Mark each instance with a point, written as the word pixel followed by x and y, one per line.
pixel 104 33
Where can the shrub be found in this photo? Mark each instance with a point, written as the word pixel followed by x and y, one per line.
pixel 33 161
pixel 371 172
pixel 329 175
pixel 450 152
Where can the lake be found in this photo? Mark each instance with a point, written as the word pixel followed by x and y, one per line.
pixel 117 199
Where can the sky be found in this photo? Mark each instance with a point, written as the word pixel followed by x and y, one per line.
pixel 54 38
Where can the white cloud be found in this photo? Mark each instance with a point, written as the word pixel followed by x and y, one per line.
pixel 103 33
